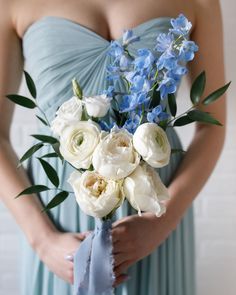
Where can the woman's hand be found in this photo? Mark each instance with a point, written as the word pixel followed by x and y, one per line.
pixel 53 250
pixel 135 237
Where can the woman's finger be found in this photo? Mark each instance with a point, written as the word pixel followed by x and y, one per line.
pixel 121 279
pixel 119 258
pixel 118 270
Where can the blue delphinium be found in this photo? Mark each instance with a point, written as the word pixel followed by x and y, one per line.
pixel 164 42
pixel 166 86
pixel 132 123
pixel 157 114
pixel 132 101
pixel 144 60
pixel 187 50
pixel 181 25
pixel 129 38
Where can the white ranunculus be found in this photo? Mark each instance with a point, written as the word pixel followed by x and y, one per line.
pixel 145 190
pixel 69 112
pixel 78 142
pixel 96 195
pixel 115 156
pixel 97 106
pixel 152 144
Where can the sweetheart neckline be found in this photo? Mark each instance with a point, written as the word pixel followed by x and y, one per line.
pixel 67 20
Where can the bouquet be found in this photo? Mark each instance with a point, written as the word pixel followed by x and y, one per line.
pixel 116 140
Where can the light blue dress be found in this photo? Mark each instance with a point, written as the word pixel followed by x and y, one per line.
pixel 55 51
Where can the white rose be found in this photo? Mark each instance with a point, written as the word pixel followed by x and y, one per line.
pixel 152 144
pixel 69 112
pixel 115 156
pixel 96 195
pixel 145 190
pixel 78 142
pixel 97 106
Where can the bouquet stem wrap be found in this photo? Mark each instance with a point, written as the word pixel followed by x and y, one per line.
pixel 93 262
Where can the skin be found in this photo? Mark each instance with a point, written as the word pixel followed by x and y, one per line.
pixel 108 19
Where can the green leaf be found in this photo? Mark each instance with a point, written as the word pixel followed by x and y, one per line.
pixel 175 151
pixel 22 100
pixel 184 120
pixel 30 152
pixel 156 97
pixel 216 94
pixel 58 199
pixel 45 138
pixel 197 88
pixel 30 84
pixel 50 155
pixel 50 172
pixel 197 115
pixel 56 147
pixel 34 189
pixel 42 120
pixel 172 104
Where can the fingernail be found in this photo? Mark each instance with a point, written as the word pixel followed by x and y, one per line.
pixel 69 257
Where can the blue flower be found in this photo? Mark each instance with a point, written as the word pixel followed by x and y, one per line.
pixel 105 126
pixel 109 91
pixel 144 60
pixel 181 25
pixel 132 101
pixel 124 62
pixel 157 115
pixel 115 49
pixel 132 123
pixel 166 86
pixel 187 50
pixel 164 42
pixel 167 60
pixel 140 84
pixel 129 37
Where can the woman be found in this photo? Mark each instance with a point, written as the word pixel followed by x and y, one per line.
pixel 62 39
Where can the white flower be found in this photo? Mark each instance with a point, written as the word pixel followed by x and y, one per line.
pixel 115 157
pixel 96 195
pixel 152 144
pixel 145 190
pixel 78 141
pixel 69 112
pixel 97 106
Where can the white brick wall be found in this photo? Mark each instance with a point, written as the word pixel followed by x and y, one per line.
pixel 215 206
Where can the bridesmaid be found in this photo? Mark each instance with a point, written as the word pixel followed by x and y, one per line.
pixel 108 19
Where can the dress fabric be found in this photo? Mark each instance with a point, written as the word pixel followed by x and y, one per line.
pixel 56 50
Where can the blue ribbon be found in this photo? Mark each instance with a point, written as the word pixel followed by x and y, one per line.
pixel 93 262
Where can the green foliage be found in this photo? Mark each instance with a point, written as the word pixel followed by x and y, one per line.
pixel 172 104
pixel 42 120
pixel 182 121
pixel 50 172
pixel 22 101
pixel 199 116
pixel 216 94
pixel 34 189
pixel 30 84
pixel 197 88
pixel 58 199
pixel 30 152
pixel 45 138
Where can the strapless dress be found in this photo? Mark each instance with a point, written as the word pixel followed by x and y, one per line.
pixel 56 50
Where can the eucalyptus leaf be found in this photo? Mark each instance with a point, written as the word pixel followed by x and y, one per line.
pixel 34 189
pixel 50 172
pixel 42 120
pixel 22 101
pixel 30 84
pixel 182 121
pixel 58 199
pixel 197 115
pixel 45 138
pixel 197 88
pixel 30 152
pixel 172 104
pixel 216 94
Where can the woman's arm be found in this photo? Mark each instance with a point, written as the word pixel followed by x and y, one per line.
pixel 200 159
pixel 51 245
